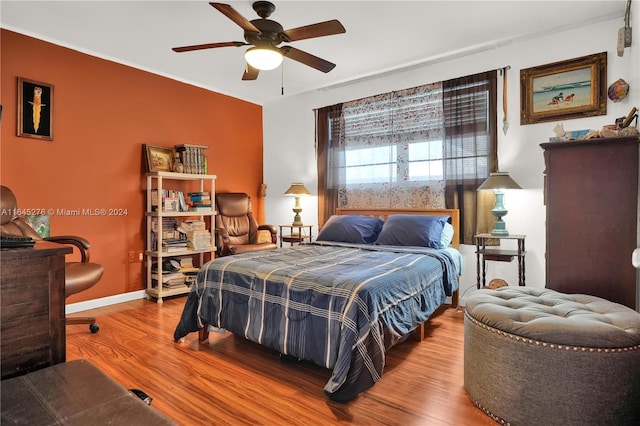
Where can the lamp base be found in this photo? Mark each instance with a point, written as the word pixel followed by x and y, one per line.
pixel 500 229
pixel 297 220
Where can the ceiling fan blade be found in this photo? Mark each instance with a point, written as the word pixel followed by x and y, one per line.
pixel 320 29
pixel 250 73
pixel 209 46
pixel 232 14
pixel 307 59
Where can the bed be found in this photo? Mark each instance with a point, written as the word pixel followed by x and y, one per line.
pixel 370 280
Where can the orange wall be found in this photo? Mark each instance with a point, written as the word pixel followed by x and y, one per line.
pixel 102 114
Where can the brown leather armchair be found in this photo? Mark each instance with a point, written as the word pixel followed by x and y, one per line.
pixel 79 276
pixel 236 227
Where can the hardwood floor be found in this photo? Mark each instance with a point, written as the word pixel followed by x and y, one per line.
pixel 229 380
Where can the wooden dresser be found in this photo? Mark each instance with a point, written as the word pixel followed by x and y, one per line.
pixel 591 195
pixel 32 308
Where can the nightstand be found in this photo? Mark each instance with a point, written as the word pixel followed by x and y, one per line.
pixel 296 234
pixel 495 253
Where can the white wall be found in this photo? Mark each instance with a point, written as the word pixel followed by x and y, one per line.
pixel 289 132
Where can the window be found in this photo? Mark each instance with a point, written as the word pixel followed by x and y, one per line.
pixel 393 138
pixel 416 148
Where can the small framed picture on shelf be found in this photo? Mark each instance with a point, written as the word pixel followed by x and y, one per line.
pixel 35 110
pixel 159 158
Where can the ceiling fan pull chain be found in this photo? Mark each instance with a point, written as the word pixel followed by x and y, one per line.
pixel 282 79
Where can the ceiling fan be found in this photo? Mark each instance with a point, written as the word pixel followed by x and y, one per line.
pixel 265 35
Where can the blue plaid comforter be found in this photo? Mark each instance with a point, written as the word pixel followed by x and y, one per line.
pixel 337 305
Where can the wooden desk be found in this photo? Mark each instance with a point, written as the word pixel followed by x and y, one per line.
pixel 32 307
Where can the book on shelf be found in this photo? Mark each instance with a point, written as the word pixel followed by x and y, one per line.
pixel 192 225
pixel 193 158
pixel 196 234
pixel 187 268
pixel 171 204
pixel 201 208
pixel 199 201
pixel 174 242
pixel 199 196
pixel 170 200
pixel 174 249
pixel 200 241
pixel 167 231
pixel 176 272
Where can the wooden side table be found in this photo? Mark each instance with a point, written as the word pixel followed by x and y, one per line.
pixel 296 234
pixel 484 254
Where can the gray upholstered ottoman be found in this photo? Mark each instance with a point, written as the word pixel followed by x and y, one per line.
pixel 534 356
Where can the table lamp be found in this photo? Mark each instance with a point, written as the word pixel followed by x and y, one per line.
pixel 297 190
pixel 499 181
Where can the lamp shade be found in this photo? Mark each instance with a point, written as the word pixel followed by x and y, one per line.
pixel 297 189
pixel 263 58
pixel 499 180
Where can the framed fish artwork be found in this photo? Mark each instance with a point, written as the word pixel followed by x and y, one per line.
pixel 35 109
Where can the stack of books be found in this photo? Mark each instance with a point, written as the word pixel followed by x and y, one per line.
pixel 170 279
pixel 176 272
pixel 196 234
pixel 174 244
pixel 171 201
pixel 192 158
pixel 168 231
pixel 200 201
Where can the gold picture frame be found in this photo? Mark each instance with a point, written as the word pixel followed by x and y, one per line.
pixel 159 158
pixel 35 110
pixel 564 90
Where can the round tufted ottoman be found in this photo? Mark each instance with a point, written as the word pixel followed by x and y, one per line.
pixel 533 356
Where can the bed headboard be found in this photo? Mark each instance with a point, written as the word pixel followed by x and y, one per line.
pixel 383 213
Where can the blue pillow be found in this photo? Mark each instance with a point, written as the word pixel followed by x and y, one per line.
pixel 447 235
pixel 351 229
pixel 412 230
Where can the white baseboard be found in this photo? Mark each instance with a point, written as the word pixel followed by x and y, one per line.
pixel 104 301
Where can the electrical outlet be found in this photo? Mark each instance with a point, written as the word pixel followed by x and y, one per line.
pixel 136 256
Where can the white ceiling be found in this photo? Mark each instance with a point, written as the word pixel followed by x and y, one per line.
pixel 381 36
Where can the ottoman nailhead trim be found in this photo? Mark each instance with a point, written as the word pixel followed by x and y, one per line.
pixel 489 413
pixel 549 345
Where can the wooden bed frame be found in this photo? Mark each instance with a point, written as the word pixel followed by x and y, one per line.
pixel 454 214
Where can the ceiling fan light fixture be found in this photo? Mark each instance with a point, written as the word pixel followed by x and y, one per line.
pixel 263 58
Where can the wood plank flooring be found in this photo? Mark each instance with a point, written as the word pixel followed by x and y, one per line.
pixel 231 381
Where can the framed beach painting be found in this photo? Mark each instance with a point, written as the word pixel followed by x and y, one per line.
pixel 564 90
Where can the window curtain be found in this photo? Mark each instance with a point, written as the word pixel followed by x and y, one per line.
pixel 329 121
pixel 470 145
